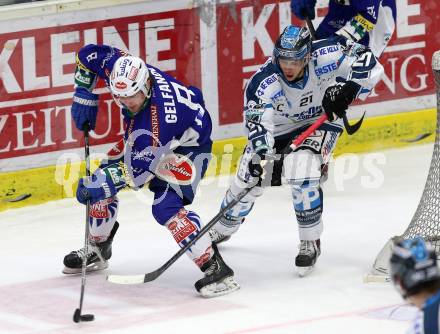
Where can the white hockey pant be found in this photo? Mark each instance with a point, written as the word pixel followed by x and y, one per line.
pixel 302 170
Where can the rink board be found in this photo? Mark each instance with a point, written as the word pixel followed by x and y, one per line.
pixel 202 43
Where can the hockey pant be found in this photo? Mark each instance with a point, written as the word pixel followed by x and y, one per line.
pixel 168 209
pixel 301 170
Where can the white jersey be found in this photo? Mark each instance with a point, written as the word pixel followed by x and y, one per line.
pixel 275 107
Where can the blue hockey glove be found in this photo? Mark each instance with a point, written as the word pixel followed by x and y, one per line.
pixel 84 108
pixel 303 8
pixel 105 183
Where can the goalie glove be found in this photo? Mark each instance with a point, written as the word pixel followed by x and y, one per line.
pixel 338 97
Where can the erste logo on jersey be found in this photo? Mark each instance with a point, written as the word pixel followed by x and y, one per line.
pixel 177 169
pixel 266 83
pixel 324 59
pixel 326 68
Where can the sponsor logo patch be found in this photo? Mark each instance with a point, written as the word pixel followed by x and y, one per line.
pixel 120 85
pixel 176 168
pixel 202 259
pixel 155 125
pixel 117 150
pixel 133 73
pixel 181 227
pixel 99 210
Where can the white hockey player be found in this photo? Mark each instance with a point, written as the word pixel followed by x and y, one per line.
pixel 285 96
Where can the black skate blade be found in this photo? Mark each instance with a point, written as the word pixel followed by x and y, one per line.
pixel 77 317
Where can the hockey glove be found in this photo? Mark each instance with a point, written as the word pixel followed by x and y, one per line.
pixel 258 165
pixel 303 8
pixel 105 183
pixel 338 97
pixel 84 108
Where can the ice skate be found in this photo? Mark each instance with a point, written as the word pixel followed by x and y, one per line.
pixel 217 237
pixel 309 250
pixel 97 256
pixel 219 278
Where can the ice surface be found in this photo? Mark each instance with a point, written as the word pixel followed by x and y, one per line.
pixel 36 298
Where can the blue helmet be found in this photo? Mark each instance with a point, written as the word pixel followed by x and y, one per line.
pixel 413 263
pixel 294 43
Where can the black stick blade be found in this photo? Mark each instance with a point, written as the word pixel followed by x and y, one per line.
pixel 77 315
pixel 153 275
pixel 351 129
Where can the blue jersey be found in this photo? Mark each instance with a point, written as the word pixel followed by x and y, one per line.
pixel 427 321
pixel 369 22
pixel 174 117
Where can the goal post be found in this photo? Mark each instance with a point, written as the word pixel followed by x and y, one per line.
pixel 426 220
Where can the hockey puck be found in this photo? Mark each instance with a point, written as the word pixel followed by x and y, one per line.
pixel 87 317
pixel 77 317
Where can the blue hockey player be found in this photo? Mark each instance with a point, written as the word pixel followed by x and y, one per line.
pixel 167 144
pixel 368 22
pixel 416 275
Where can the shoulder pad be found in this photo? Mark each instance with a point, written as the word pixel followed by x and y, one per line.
pixel 264 83
pixel 326 55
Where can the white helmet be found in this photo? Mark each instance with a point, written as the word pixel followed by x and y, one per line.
pixel 129 76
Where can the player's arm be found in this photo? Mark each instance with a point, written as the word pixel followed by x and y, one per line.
pixel 358 73
pixel 258 117
pixel 303 8
pixel 363 21
pixel 90 63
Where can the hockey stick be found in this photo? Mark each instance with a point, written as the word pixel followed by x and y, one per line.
pixel 144 278
pixel 299 140
pixel 77 316
pixel 351 129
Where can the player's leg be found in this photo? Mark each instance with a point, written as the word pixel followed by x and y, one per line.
pixel 307 197
pixel 102 229
pixel 303 171
pixel 184 226
pixel 168 209
pixel 230 222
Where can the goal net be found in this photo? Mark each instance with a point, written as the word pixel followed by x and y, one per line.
pixel 425 222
